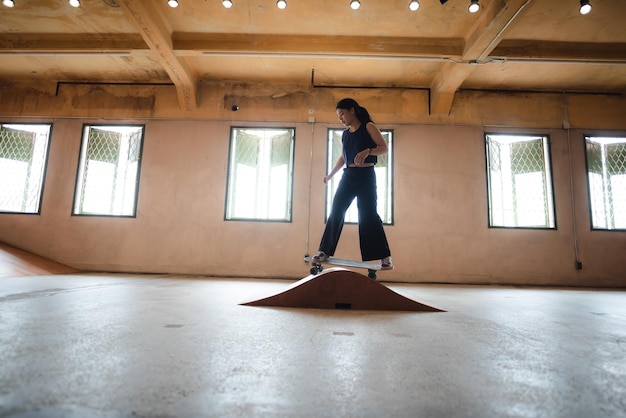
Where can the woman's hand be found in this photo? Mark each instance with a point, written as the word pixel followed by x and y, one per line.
pixel 361 156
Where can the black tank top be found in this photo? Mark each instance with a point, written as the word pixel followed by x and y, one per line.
pixel 355 142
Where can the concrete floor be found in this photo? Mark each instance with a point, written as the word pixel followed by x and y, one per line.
pixel 157 346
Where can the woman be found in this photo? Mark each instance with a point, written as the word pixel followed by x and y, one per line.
pixel 362 142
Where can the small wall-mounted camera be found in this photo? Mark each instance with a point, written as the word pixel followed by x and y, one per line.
pixel 234 108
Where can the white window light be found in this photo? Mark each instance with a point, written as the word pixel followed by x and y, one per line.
pixel 355 4
pixel 414 5
pixel 606 177
pixel 172 3
pixel 260 174
pixel 74 3
pixel 227 3
pixel 23 160
pixel 519 181
pixel 8 3
pixel 108 172
pixel 281 4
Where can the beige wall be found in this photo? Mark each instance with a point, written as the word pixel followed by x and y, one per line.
pixel 440 231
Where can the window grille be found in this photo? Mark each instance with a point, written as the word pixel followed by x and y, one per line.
pixel 606 173
pixel 519 181
pixel 23 159
pixel 260 174
pixel 108 172
pixel 384 178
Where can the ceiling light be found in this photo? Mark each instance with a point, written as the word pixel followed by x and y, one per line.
pixel 474 6
pixel 172 3
pixel 8 3
pixel 74 3
pixel 585 7
pixel 227 3
pixel 414 5
pixel 281 4
pixel 355 4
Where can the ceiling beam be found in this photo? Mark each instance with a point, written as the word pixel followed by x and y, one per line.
pixel 157 36
pixel 540 51
pixel 225 43
pixel 445 50
pixel 34 43
pixel 484 37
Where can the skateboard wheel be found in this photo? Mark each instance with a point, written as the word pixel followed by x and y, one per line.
pixel 371 274
pixel 316 268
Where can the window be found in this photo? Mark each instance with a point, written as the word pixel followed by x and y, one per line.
pixel 519 181
pixel 23 158
pixel 384 178
pixel 108 170
pixel 606 171
pixel 260 174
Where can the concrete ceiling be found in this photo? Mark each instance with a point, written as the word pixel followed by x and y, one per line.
pixel 518 45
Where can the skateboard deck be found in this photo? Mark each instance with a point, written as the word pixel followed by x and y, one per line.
pixel 318 267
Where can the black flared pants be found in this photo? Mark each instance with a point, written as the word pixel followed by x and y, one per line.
pixel 359 183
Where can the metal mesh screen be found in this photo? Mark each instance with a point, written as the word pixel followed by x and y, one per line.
pixel 519 182
pixel 606 170
pixel 527 157
pixel 135 146
pixel 23 155
pixel 616 159
pixel 246 149
pixel 103 146
pixel 108 172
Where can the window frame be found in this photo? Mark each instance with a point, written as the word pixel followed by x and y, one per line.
pixel 586 137
pixel 291 175
pixel 549 181
pixel 80 169
pixel 330 192
pixel 44 168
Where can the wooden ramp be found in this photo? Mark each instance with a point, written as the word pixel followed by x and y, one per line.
pixel 15 262
pixel 339 288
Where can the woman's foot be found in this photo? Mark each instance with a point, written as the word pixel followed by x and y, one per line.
pixel 386 263
pixel 320 257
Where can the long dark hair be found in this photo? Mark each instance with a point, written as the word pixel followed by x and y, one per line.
pixel 361 113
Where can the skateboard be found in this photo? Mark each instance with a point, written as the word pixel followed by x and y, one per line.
pixel 318 267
